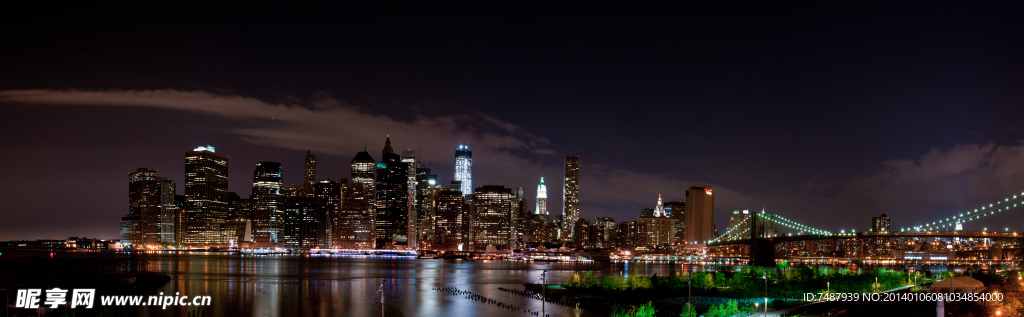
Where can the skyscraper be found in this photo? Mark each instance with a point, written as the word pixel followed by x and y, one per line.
pixel 301 223
pixel 364 176
pixel 329 194
pixel 699 214
pixel 493 218
pixel 354 229
pixel 409 159
pixel 542 198
pixel 309 177
pixel 464 168
pixel 676 210
pixel 392 204
pixel 168 211
pixel 206 193
pixel 738 219
pixel 426 184
pixel 144 205
pixel 571 196
pixel 880 223
pixel 268 213
pixel 657 229
pixel 449 219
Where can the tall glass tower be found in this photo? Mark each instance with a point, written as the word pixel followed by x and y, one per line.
pixel 463 168
pixel 268 214
pixel 571 196
pixel 542 198
pixel 206 197
pixel 309 177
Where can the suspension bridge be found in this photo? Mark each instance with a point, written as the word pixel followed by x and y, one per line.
pixel 755 236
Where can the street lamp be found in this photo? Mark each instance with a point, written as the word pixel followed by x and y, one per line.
pixel 765 294
pixel 543 290
pixel 381 291
pixel 689 294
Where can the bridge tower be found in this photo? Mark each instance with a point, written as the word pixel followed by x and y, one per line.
pixel 762 249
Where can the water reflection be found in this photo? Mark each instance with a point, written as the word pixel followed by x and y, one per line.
pixel 294 285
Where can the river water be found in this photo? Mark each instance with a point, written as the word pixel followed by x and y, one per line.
pixel 304 285
pixel 314 285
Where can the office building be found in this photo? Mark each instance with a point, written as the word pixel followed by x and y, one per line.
pixel 144 208
pixel 267 196
pixel 570 196
pixel 302 222
pixel 329 194
pixel 542 199
pixel 493 217
pixel 699 214
pixel 413 219
pixel 464 168
pixel 392 203
pixel 677 211
pixel 657 229
pixel 739 220
pixel 206 191
pixel 880 224
pixel 309 176
pixel 449 219
pixel 168 212
pixel 354 229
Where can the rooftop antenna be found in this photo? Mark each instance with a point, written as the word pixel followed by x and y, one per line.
pixel 389 129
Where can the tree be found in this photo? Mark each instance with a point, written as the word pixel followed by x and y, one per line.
pixel 691 312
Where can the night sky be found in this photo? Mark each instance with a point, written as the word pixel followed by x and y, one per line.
pixel 827 114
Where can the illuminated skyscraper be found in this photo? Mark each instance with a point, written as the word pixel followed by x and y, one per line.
pixel 329 194
pixel 364 170
pixel 392 205
pixel 268 213
pixel 464 168
pixel 168 211
pixel 880 223
pixel 309 177
pixel 571 196
pixel 542 198
pixel 493 219
pixel 409 158
pixel 426 184
pixel 354 229
pixel 738 219
pixel 449 219
pixel 676 210
pixel 144 207
pixel 301 222
pixel 206 197
pixel 657 229
pixel 699 214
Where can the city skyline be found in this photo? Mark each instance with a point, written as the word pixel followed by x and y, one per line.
pixel 850 111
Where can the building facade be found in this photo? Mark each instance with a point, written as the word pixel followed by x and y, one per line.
pixel 392 203
pixel 699 214
pixel 464 168
pixel 206 190
pixel 570 196
pixel 267 196
pixel 493 218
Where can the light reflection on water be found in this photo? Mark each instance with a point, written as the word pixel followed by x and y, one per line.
pixel 302 285
pixel 297 285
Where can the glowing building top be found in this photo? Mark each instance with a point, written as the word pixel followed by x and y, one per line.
pixel 464 168
pixel 542 198
pixel 659 210
pixel 205 148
